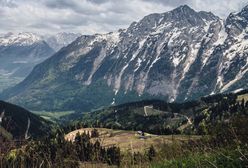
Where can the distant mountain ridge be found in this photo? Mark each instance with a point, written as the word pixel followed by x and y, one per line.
pixel 61 40
pixel 176 56
pixel 20 52
pixel 56 41
pixel 19 39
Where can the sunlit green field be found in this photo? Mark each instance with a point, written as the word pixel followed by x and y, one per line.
pixel 52 116
pixel 130 141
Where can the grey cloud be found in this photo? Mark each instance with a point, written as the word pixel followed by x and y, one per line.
pixel 172 3
pixel 8 3
pixel 78 6
pixel 61 4
pixel 94 16
pixel 39 25
pixel 98 1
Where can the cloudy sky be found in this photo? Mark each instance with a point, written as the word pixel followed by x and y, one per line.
pixel 94 16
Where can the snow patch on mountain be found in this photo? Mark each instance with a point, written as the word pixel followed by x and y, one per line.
pixel 60 40
pixel 19 39
pixel 222 35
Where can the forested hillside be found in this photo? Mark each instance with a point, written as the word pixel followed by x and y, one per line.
pixel 160 117
pixel 19 123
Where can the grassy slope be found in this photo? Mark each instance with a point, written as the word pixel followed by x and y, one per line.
pixel 220 158
pixel 52 116
pixel 130 141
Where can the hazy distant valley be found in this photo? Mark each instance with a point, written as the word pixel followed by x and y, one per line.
pixel 21 52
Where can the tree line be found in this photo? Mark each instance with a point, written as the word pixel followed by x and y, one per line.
pixel 55 151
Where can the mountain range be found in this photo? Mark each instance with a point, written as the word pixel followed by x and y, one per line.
pixel 60 40
pixel 175 56
pixel 20 52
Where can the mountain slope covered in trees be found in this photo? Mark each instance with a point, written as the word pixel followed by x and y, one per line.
pixel 18 123
pixel 220 119
pixel 159 117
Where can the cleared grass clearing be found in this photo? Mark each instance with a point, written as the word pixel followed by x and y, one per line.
pixel 130 141
pixel 52 116
pixel 241 97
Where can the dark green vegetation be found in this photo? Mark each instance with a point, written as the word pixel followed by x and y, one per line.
pixel 159 117
pixel 65 94
pixel 54 151
pixel 225 146
pixel 55 117
pixel 18 123
pixel 221 119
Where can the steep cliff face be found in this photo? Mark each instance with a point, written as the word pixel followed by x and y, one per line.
pixel 176 56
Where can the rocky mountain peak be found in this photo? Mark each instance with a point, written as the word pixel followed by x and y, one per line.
pixel 19 39
pixel 236 23
pixel 183 10
pixel 179 18
pixel 185 16
pixel 244 11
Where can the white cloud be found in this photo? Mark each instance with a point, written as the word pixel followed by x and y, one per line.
pixel 93 16
pixel 221 8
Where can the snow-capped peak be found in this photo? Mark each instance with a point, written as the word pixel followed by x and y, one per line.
pixel 20 39
pixel 60 40
pixel 112 37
